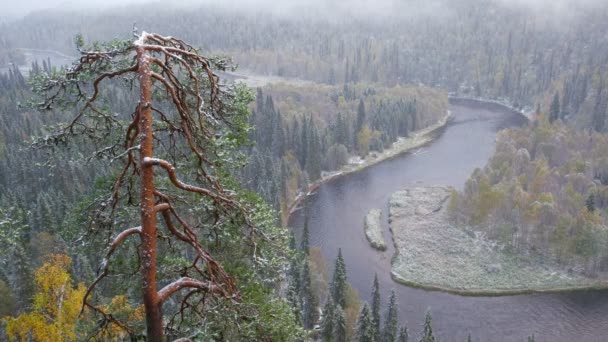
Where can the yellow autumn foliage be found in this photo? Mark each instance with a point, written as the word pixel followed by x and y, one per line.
pixel 56 305
pixel 56 308
pixel 121 310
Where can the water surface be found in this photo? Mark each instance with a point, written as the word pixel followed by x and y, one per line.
pixel 336 213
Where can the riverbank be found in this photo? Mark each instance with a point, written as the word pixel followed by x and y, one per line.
pixel 488 104
pixel 432 254
pixel 415 140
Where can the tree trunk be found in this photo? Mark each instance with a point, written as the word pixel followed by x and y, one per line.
pixel 147 252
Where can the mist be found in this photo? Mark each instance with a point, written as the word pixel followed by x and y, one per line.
pixel 364 9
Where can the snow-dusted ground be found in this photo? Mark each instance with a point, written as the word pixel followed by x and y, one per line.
pixel 433 254
pixel 373 229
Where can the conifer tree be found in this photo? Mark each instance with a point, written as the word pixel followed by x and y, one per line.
pixel 469 338
pixel 531 338
pixel 590 203
pixel 180 139
pixel 361 117
pixel 313 160
pixel 293 290
pixel 338 283
pixel 327 325
pixel 427 333
pixel 554 110
pixel 391 321
pixel 339 325
pixel 403 334
pixel 375 309
pixel 365 326
pixel 308 301
pixel 305 243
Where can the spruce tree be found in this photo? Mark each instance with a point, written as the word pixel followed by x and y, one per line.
pixel 308 301
pixel 338 283
pixel 375 309
pixel 403 334
pixel 590 203
pixel 339 325
pixel 360 118
pixel 293 290
pixel 305 243
pixel 313 160
pixel 327 325
pixel 427 333
pixel 389 333
pixel 365 326
pixel 554 110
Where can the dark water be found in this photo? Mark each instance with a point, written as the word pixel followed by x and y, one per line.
pixel 336 213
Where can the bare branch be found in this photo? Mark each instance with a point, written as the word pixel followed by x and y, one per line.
pixel 103 268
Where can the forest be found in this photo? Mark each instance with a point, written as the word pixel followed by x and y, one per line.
pixel 544 191
pixel 366 82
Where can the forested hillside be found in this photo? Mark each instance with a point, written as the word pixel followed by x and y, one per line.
pixel 492 49
pixel 302 131
pixel 544 191
pixel 50 196
pixel 371 76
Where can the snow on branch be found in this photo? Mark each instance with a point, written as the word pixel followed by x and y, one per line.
pixel 181 185
pixel 186 282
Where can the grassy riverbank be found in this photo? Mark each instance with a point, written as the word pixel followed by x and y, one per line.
pixel 432 254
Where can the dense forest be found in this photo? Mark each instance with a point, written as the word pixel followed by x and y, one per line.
pixel 47 204
pixel 535 54
pixel 372 81
pixel 544 191
pixel 304 131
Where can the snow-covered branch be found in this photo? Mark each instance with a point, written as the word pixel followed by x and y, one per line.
pixel 186 282
pixel 173 177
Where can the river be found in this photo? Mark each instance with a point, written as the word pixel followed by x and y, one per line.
pixel 337 208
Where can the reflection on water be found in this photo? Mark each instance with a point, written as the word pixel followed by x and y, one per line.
pixel 336 213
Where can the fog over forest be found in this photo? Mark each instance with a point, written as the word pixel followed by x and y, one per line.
pixel 304 170
pixel 362 8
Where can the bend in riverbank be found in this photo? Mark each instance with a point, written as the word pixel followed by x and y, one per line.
pixel 488 104
pixel 494 293
pixel 416 139
pixel 432 254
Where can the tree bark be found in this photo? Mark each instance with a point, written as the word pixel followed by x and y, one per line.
pixel 147 252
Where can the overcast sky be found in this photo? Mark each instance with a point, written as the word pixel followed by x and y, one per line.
pixel 18 8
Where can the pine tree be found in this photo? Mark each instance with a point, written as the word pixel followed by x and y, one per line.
pixel 327 325
pixel 338 283
pixel 554 110
pixel 427 334
pixel 365 326
pixel 403 334
pixel 376 307
pixel 469 338
pixel 391 321
pixel 339 325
